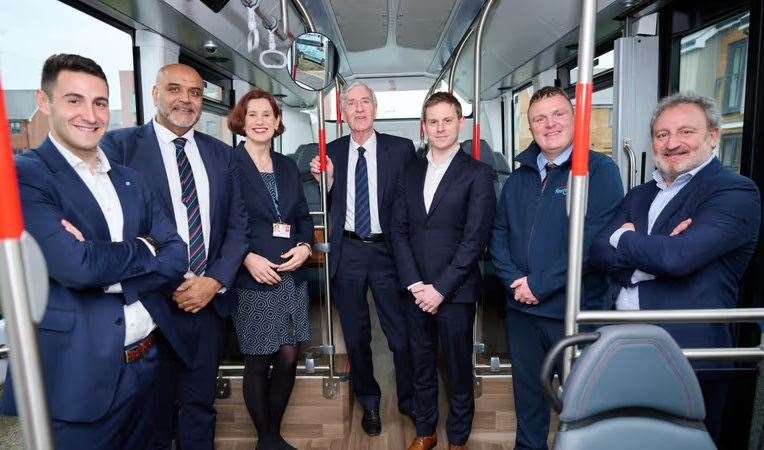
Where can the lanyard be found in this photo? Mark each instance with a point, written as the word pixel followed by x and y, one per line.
pixel 275 197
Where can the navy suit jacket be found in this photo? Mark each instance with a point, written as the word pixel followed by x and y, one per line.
pixel 394 155
pixel 81 336
pixel 443 247
pixel 261 212
pixel 138 148
pixel 700 268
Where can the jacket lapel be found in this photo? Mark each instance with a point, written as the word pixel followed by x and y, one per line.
pixel 254 179
pixel 126 192
pixel 383 168
pixel 452 173
pixel 150 162
pixel 681 198
pixel 75 190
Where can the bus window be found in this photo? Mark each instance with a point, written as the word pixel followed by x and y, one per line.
pixel 522 133
pixel 713 62
pixel 31 32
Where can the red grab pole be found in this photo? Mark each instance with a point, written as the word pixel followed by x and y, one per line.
pixel 11 220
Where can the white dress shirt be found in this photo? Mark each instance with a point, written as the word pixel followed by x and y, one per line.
pixel 371 170
pixel 434 175
pixel 432 179
pixel 561 158
pixel 138 321
pixel 167 147
pixel 628 297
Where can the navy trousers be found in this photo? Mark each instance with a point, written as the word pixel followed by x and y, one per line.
pixel 451 330
pixel 529 339
pixel 129 423
pixel 363 266
pixel 186 395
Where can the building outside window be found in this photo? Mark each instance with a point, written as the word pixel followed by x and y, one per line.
pixel 713 62
pixel 21 60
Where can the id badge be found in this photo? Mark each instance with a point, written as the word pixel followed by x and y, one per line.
pixel 282 230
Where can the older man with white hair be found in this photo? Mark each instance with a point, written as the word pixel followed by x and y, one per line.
pixel 363 170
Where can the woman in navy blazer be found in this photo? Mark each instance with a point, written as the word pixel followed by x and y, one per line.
pixel 272 315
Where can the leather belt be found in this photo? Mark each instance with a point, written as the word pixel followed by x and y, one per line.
pixel 375 237
pixel 139 349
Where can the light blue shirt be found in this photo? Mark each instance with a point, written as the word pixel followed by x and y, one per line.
pixel 541 160
pixel 628 298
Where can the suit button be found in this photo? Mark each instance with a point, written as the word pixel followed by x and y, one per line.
pixel 118 322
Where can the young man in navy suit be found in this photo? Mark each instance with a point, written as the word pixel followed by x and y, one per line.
pixel 684 239
pixel 530 251
pixel 109 248
pixel 195 178
pixel 442 218
pixel 363 169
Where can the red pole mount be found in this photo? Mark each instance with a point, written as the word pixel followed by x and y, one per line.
pixel 581 131
pixel 476 141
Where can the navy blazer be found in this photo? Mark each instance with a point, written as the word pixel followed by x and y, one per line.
pixel 394 155
pixel 443 247
pixel 261 212
pixel 700 268
pixel 81 336
pixel 138 148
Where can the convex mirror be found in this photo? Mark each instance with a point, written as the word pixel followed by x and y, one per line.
pixel 312 61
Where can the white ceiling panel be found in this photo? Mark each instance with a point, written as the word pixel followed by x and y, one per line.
pixel 363 23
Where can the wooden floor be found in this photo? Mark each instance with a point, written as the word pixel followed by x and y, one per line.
pixel 493 427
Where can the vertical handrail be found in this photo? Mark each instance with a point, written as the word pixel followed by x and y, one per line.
pixel 457 57
pixel 631 174
pixel 324 201
pixel 579 174
pixel 25 365
pixel 284 18
pixel 337 106
pixel 478 65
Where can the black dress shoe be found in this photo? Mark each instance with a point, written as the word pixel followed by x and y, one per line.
pixel 371 422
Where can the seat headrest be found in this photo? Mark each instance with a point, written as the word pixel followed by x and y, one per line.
pixel 486 154
pixel 632 366
pixel 305 154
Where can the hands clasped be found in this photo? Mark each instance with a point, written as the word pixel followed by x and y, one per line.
pixel 427 298
pixel 266 272
pixel 523 293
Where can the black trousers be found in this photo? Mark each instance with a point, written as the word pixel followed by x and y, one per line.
pixel 186 395
pixel 364 266
pixel 530 338
pixel 451 330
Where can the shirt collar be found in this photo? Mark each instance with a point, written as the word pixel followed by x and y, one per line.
pixel 168 136
pixel 76 162
pixel 681 179
pixel 448 160
pixel 561 158
pixel 369 145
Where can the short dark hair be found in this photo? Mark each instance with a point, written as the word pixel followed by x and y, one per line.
pixel 442 97
pixel 546 92
pixel 236 117
pixel 60 62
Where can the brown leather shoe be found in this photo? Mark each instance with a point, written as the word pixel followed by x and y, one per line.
pixel 457 447
pixel 424 443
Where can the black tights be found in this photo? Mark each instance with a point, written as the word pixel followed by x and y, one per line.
pixel 266 392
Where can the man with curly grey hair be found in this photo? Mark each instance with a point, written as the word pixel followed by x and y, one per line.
pixel 684 239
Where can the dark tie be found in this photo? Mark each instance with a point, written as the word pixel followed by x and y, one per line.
pixel 550 166
pixel 197 256
pixel 362 215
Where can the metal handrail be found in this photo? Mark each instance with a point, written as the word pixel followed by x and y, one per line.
pixel 478 65
pixel 672 316
pixel 324 206
pixel 631 174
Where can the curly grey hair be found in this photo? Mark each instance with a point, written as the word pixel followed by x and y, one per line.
pixel 707 104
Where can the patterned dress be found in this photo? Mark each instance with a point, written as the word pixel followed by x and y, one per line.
pixel 272 316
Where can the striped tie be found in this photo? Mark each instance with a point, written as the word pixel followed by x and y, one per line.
pixel 197 256
pixel 362 215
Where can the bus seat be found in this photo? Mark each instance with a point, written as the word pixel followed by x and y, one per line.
pixel 632 388
pixel 305 154
pixel 494 159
